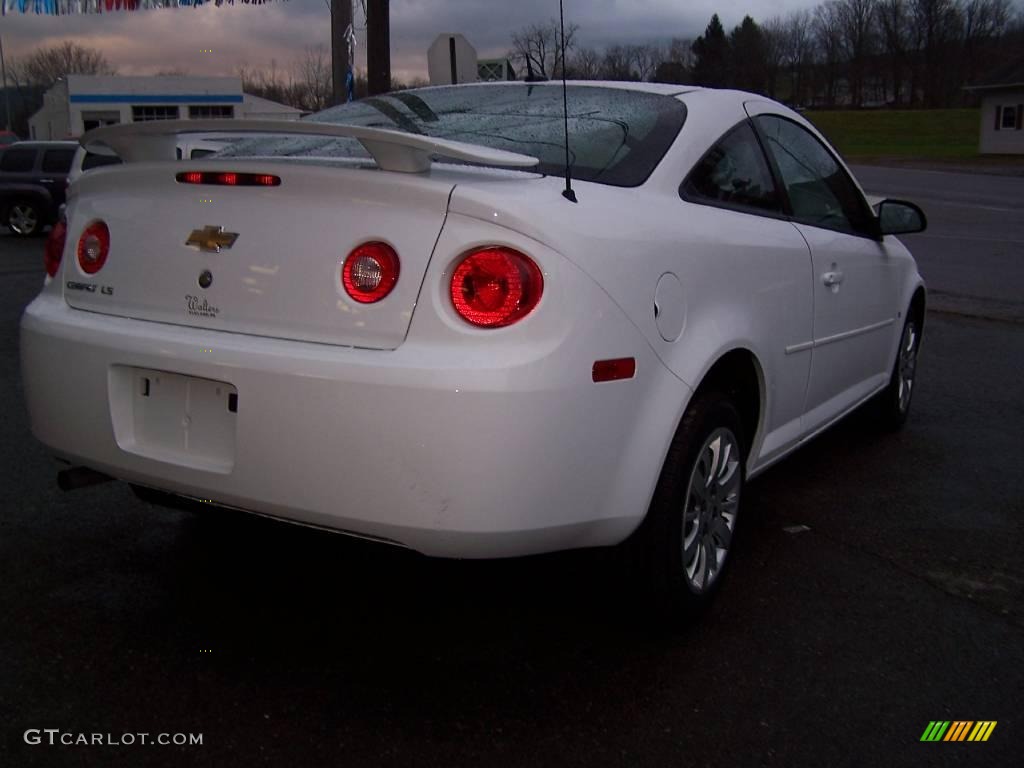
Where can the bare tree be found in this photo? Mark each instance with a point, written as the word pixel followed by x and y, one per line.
pixel 984 21
pixel 774 33
pixel 538 48
pixel 896 34
pixel 313 75
pixel 680 51
pixel 937 27
pixel 799 52
pixel 856 19
pixel 615 64
pixel 828 38
pixel 644 60
pixel 585 64
pixel 45 66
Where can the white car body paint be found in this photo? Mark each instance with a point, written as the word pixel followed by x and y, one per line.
pixel 399 421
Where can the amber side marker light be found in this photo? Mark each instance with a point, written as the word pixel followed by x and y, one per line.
pixel 228 179
pixel 613 370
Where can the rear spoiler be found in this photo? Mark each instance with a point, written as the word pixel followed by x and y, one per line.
pixel 393 150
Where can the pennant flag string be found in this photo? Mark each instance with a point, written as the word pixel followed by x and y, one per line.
pixel 79 7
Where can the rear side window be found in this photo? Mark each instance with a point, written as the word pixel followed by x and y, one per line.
pixel 820 193
pixel 18 160
pixel 57 160
pixel 93 160
pixel 734 174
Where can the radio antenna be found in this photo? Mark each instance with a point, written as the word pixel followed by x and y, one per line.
pixel 567 193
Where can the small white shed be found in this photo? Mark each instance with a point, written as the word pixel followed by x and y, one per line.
pixel 1002 111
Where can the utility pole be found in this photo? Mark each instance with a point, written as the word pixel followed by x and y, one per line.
pixel 341 20
pixel 378 46
pixel 7 98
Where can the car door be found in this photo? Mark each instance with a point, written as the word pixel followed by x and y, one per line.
pixel 754 275
pixel 855 277
pixel 53 175
pixel 17 165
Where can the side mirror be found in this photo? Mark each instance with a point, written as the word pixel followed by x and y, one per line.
pixel 898 217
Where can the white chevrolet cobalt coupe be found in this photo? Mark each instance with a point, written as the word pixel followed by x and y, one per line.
pixel 393 320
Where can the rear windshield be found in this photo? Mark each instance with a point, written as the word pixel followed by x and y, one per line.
pixel 617 136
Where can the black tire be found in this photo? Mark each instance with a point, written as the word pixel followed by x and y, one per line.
pixel 893 403
pixel 677 514
pixel 24 218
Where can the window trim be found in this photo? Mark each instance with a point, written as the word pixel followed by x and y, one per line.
pixel 780 214
pixel 141 108
pixel 875 233
pixel 195 111
pixel 64 168
pixel 1009 111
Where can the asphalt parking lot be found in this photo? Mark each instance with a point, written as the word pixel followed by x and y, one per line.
pixel 879 585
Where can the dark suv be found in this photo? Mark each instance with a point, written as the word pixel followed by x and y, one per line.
pixel 33 180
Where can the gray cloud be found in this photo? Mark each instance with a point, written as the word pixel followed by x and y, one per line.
pixel 150 41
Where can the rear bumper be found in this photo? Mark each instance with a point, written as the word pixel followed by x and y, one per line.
pixel 451 457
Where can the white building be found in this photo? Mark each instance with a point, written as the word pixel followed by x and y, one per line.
pixel 81 102
pixel 1002 111
pixel 451 59
pixel 495 70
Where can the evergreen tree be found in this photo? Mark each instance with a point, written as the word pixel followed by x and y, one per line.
pixel 711 52
pixel 748 60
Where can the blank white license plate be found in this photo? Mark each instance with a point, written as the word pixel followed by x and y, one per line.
pixel 179 419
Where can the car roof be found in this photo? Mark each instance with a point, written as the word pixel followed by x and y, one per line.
pixel 665 89
pixel 43 145
pixel 691 94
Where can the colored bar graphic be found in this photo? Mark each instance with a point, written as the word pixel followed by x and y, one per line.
pixel 958 730
pixel 935 730
pixel 984 729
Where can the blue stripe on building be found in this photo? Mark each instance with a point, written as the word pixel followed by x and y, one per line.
pixel 153 98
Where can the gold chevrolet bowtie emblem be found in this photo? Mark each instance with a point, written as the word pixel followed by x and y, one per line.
pixel 211 238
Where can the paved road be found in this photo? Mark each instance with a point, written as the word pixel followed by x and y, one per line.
pixel 972 254
pixel 902 602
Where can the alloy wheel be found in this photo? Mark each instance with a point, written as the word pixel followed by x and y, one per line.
pixel 22 219
pixel 906 367
pixel 709 515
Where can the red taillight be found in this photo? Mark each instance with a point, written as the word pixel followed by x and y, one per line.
pixel 93 247
pixel 54 248
pixel 370 272
pixel 228 179
pixel 494 287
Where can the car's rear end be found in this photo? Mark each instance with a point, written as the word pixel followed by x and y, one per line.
pixel 326 342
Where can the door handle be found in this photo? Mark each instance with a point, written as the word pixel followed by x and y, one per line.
pixel 832 279
pixel 46 181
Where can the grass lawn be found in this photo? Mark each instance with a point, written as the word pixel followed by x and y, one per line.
pixel 924 134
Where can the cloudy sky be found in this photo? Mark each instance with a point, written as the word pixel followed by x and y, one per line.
pixel 146 42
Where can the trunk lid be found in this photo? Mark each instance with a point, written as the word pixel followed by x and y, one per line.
pixel 282 275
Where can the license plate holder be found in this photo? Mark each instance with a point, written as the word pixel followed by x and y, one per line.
pixel 175 418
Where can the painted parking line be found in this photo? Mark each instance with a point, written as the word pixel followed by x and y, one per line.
pixel 971 238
